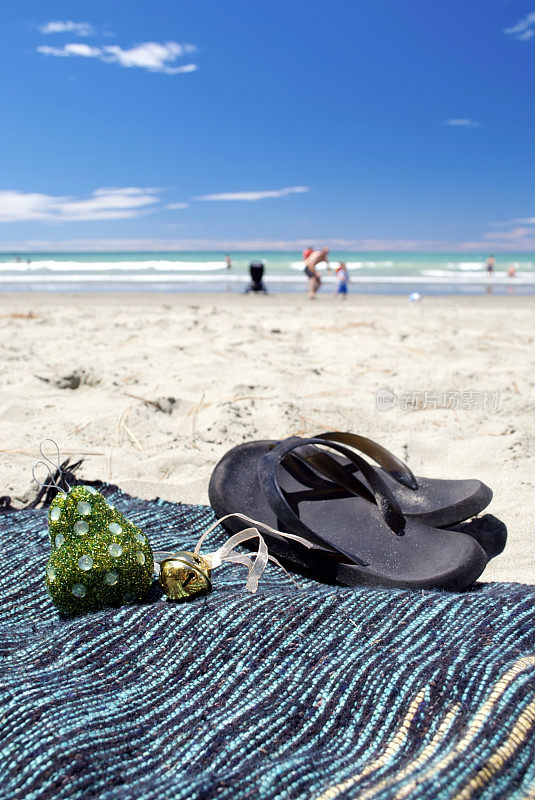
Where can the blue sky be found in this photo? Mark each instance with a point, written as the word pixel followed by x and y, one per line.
pixel 366 124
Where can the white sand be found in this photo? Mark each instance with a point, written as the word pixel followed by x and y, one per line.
pixel 265 367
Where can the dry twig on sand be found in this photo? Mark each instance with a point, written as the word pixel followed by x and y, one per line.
pixel 165 404
pixel 21 315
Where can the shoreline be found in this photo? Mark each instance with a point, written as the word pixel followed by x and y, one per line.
pixel 237 284
pixel 184 298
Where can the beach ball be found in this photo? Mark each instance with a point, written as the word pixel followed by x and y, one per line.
pixel 415 297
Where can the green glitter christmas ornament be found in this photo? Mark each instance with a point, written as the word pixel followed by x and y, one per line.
pixel 99 558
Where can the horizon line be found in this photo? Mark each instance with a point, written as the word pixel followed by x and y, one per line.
pixel 476 247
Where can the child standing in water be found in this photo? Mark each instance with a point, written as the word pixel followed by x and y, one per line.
pixel 342 277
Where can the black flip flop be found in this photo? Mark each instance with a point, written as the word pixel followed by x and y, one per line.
pixel 439 503
pixel 360 535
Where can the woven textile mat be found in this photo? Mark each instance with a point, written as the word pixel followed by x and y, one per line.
pixel 324 693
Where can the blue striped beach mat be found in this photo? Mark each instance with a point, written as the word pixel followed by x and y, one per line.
pixel 320 694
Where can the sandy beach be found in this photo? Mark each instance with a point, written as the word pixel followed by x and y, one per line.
pixel 459 373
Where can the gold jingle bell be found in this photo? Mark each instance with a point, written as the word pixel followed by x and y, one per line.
pixel 184 575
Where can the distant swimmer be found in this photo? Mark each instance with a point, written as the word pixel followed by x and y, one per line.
pixel 228 263
pixel 511 272
pixel 490 265
pixel 312 258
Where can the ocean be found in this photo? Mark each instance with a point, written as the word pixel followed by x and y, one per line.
pixel 370 272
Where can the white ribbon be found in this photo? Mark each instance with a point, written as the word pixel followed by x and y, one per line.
pixel 255 564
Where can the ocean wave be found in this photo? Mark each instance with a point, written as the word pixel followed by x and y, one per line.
pixel 477 266
pixel 446 273
pixel 466 276
pixel 371 264
pixel 111 266
pixel 466 266
pixel 300 265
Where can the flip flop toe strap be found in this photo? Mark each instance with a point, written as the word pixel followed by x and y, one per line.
pixel 267 474
pixel 394 465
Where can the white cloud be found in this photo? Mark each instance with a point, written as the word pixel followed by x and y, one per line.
pixel 526 36
pixel 78 28
pixel 74 49
pixel 514 235
pixel 152 56
pixel 524 29
pixel 103 204
pixel 176 206
pixel 253 196
pixel 461 122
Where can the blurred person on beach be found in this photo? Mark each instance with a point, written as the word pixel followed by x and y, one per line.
pixel 490 265
pixel 511 274
pixel 342 277
pixel 256 271
pixel 228 262
pixel 312 258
